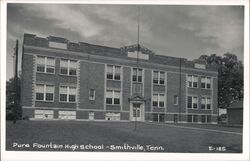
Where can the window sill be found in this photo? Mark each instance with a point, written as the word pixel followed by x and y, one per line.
pixel 68 75
pixel 45 73
pixel 113 104
pixel 137 82
pixel 114 80
pixel 193 87
pixel 158 107
pixel 44 101
pixel 158 84
pixel 67 102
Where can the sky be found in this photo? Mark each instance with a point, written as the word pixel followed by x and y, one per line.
pixel 181 31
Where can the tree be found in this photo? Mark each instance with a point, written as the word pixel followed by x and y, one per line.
pixel 230 77
pixel 10 96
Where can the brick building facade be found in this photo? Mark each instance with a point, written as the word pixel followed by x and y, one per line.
pixel 66 80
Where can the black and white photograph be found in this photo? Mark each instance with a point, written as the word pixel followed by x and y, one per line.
pixel 125 78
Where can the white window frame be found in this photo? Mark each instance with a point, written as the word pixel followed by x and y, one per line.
pixel 206 82
pixel 206 102
pixel 114 72
pixel 192 81
pixel 45 64
pixel 142 77
pixel 68 87
pixel 68 67
pixel 113 97
pixel 44 92
pixel 158 100
pixel 193 102
pixel 206 119
pixel 159 77
pixel 193 118
pixel 177 99
pixel 92 98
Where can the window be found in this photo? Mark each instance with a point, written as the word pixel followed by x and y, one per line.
pixel 195 102
pixel 44 114
pixel 189 118
pixel 158 117
pixel 203 82
pixel 68 67
pixel 209 82
pixel 208 118
pixel 203 103
pixel 192 102
pixel 192 81
pixel 113 97
pixel 158 77
pixel 175 100
pixel 116 97
pixel 192 118
pixel 113 116
pixel 137 75
pixel 206 103
pixel 45 64
pixel 91 115
pixel 91 94
pixel 113 72
pixel 158 100
pixel 67 115
pixel 206 82
pixel 44 92
pixel 195 118
pixel 67 94
pixel 205 118
pixel 109 97
pixel 136 112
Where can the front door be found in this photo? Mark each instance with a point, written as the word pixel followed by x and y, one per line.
pixel 136 112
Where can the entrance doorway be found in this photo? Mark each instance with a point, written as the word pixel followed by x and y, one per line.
pixel 136 112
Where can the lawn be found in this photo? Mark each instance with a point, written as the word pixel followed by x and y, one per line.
pixel 121 137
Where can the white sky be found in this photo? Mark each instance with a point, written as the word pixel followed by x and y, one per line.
pixel 181 31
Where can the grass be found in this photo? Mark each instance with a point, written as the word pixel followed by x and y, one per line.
pixel 171 139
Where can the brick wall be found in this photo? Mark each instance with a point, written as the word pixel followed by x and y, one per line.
pixel 147 89
pixel 173 87
pixel 126 88
pixel 27 80
pixel 92 77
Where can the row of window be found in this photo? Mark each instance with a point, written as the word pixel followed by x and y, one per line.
pixel 192 82
pixel 68 94
pixel 193 102
pixel 69 67
pixel 47 65
pixel 194 118
pixel 46 93
pixel 114 73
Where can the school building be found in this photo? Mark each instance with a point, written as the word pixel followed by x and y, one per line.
pixel 80 81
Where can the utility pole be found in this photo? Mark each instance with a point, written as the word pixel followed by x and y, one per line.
pixel 15 84
pixel 180 93
pixel 137 61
